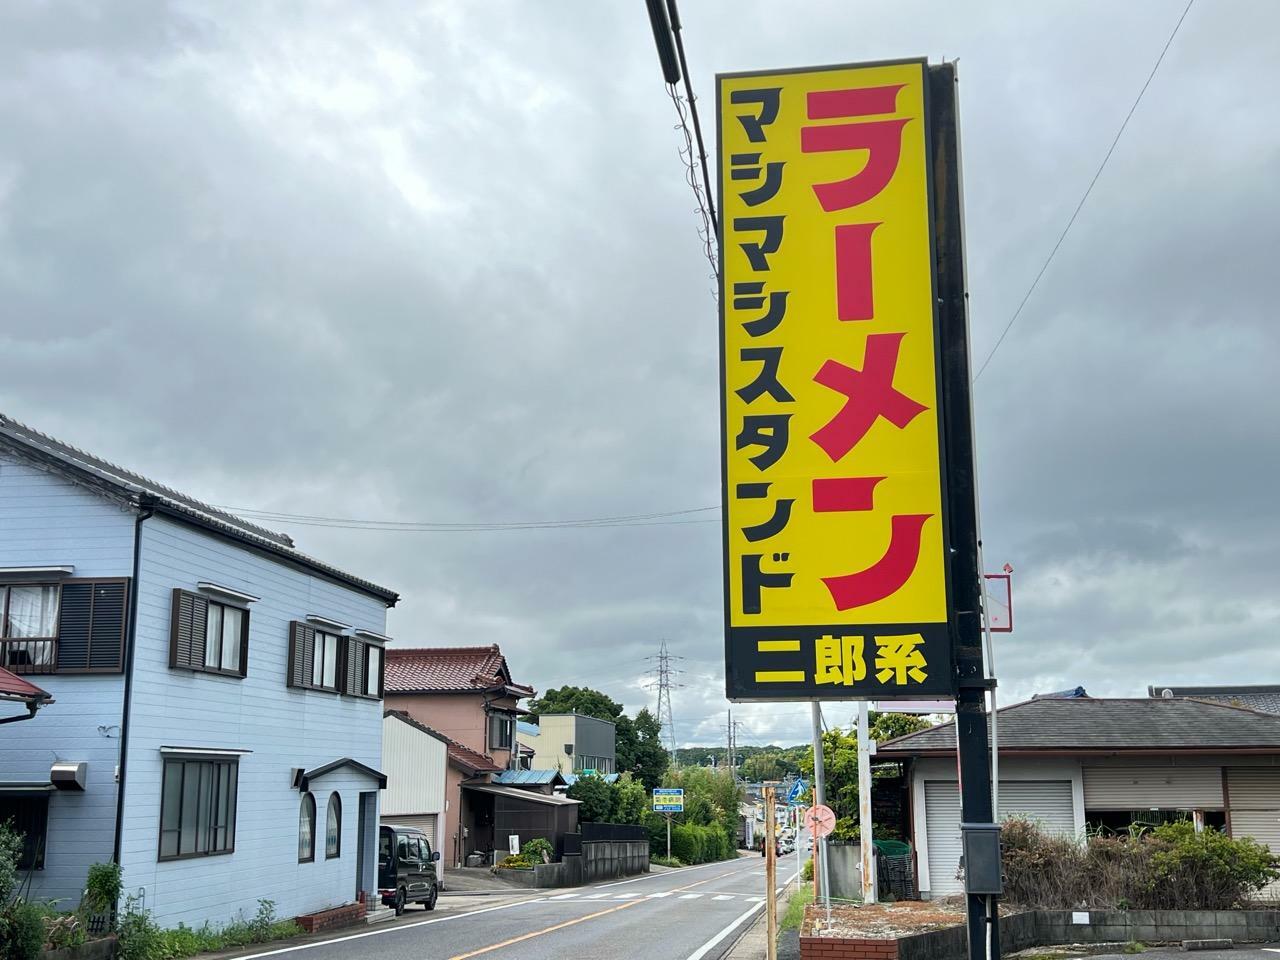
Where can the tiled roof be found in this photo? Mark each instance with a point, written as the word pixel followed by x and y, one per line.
pixel 14 687
pixel 464 756
pixel 1087 724
pixel 1265 698
pixel 115 480
pixel 449 670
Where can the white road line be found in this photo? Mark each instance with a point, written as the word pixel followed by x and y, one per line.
pixel 667 873
pixel 659 896
pixel 625 896
pixel 707 947
pixel 378 933
pixel 690 896
pixel 596 896
pixel 723 896
pixel 564 896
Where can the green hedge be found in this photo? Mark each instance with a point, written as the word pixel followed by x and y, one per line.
pixel 698 843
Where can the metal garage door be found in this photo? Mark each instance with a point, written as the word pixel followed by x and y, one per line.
pixel 427 824
pixel 1142 788
pixel 1255 810
pixel 1046 801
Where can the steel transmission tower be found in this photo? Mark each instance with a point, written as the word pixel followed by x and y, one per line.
pixel 662 677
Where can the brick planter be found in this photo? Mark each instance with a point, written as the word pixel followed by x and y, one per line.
pixel 345 916
pixel 1044 927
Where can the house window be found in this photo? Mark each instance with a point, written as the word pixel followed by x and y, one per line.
pixel 324 664
pixel 198 808
pixel 208 636
pixel 373 671
pixel 76 626
pixel 317 660
pixel 333 828
pixel 28 816
pixel 307 829
pixel 499 731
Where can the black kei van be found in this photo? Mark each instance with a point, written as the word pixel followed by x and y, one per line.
pixel 406 868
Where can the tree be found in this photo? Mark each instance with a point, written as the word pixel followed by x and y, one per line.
pixel 596 797
pixel 630 800
pixel 583 700
pixel 639 748
pixel 840 761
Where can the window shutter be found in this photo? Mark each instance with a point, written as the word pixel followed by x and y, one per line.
pixel 187 637
pixel 74 622
pixel 350 684
pixel 92 621
pixel 301 654
pixel 107 628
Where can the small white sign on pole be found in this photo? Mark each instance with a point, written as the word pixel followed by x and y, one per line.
pixel 513 843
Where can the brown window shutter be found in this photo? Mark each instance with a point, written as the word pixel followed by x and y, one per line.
pixel 382 672
pixel 350 666
pixel 301 654
pixel 244 645
pixel 187 634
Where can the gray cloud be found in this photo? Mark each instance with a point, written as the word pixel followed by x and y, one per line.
pixel 437 262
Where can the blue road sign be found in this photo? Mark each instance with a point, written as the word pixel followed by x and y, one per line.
pixel 668 800
pixel 797 788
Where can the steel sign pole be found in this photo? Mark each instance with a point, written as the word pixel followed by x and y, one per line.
pixel 972 743
pixel 668 836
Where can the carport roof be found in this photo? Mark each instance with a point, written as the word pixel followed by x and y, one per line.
pixel 1089 725
pixel 518 794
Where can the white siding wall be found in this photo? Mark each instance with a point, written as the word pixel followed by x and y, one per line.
pixel 48 521
pixel 284 729
pixel 1254 794
pixel 414 763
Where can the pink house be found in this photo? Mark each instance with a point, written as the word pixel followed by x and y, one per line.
pixel 467 695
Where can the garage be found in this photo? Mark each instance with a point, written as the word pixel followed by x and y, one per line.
pixel 1048 802
pixel 1255 810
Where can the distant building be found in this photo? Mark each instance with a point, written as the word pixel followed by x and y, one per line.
pixel 571 743
pixel 466 694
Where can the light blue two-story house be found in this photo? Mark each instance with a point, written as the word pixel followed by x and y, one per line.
pixel 216 724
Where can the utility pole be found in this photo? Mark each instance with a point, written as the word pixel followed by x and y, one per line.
pixel 866 839
pixel 771 870
pixel 662 678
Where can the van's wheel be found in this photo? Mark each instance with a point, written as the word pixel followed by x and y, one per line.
pixel 400 899
pixel 431 900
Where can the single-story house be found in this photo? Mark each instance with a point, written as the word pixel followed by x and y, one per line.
pixel 1084 763
pixel 1264 697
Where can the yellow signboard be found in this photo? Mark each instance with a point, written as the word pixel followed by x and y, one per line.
pixel 835 545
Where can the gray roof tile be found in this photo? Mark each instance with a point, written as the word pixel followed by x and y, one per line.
pixel 1102 724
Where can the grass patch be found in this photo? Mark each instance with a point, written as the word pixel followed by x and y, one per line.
pixel 791 917
pixel 667 861
pixel 1134 946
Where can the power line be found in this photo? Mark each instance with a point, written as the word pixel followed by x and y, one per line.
pixel 1102 166
pixel 429 526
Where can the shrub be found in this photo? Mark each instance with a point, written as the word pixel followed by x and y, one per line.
pixel 139 937
pixel 1169 868
pixel 806 872
pixel 535 848
pixel 665 861
pixel 596 797
pixel 24 930
pixel 102 888
pixel 516 862
pixel 10 850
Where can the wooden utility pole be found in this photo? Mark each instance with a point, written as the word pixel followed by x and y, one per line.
pixel 771 870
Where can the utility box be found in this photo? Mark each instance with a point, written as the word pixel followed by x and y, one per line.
pixel 981 846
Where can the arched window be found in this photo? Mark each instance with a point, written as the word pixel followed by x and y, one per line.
pixel 307 829
pixel 333 828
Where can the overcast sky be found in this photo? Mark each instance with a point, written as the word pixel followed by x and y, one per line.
pixel 437 261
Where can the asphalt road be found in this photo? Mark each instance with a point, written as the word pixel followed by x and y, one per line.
pixel 692 914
